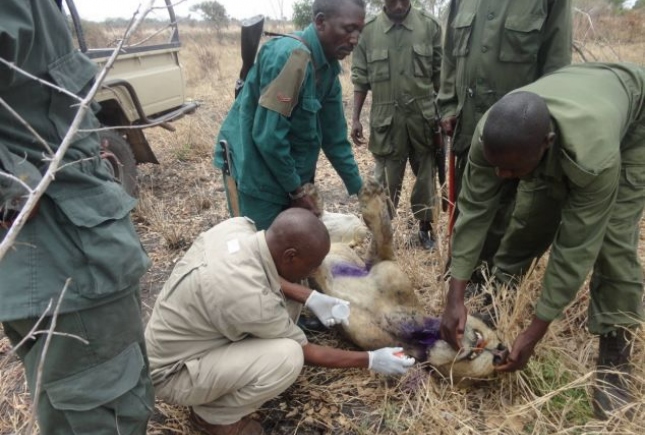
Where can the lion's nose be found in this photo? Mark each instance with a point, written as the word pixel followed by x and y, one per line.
pixel 500 354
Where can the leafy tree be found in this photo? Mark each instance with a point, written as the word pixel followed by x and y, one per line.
pixel 302 13
pixel 640 4
pixel 212 11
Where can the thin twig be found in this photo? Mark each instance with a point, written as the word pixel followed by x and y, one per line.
pixel 29 335
pixel 41 361
pixel 16 115
pixel 62 334
pixel 17 180
pixel 136 44
pixel 84 107
pixel 39 80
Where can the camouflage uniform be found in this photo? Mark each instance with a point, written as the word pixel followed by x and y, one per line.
pixel 81 231
pixel 491 48
pixel 585 199
pixel 290 108
pixel 400 64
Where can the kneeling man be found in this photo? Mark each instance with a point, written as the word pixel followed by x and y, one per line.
pixel 222 337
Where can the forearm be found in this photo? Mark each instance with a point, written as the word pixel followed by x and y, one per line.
pixel 359 101
pixel 295 292
pixel 323 356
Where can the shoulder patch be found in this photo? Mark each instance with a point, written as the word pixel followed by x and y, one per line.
pixel 282 93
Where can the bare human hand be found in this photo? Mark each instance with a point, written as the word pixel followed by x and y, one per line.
pixel 524 346
pixel 448 125
pixel 357 133
pixel 308 203
pixel 453 321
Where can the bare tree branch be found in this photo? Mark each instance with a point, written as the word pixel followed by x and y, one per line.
pixel 83 109
pixel 29 336
pixel 41 361
pixel 17 180
pixel 16 115
pixel 39 80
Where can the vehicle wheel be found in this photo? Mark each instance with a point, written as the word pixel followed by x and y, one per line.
pixel 116 150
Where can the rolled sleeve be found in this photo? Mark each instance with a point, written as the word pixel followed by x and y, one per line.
pixel 360 79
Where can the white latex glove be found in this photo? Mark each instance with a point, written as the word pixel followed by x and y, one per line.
pixel 323 307
pixel 386 362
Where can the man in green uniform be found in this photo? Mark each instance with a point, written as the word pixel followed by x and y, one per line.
pixel 222 337
pixel 576 141
pixel 289 109
pixel 80 231
pixel 491 48
pixel 398 58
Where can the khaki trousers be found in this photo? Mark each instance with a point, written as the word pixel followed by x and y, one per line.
pixel 233 381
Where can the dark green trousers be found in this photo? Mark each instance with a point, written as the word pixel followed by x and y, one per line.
pixel 100 388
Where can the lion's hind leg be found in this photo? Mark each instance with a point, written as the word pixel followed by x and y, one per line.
pixel 374 209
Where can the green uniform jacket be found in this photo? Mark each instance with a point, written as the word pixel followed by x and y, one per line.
pixel 597 110
pixel 401 66
pixel 290 108
pixel 82 229
pixel 492 47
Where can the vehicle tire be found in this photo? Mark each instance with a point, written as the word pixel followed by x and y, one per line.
pixel 116 150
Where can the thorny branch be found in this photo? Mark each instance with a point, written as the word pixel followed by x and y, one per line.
pixel 83 107
pixel 41 359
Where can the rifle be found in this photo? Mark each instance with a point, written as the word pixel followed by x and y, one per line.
pixel 440 157
pixel 251 34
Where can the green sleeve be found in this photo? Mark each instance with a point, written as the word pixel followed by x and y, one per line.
pixel 447 98
pixel 555 51
pixel 359 67
pixel 577 243
pixel 16 38
pixel 270 135
pixel 478 201
pixel 334 139
pixel 271 123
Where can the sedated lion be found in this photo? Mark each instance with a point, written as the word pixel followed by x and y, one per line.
pixel 385 310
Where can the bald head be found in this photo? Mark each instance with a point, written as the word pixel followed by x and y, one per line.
pixel 298 242
pixel 517 131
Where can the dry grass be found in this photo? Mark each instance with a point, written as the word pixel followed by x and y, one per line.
pixel 184 196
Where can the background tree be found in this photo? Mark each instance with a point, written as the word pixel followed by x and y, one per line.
pixel 302 14
pixel 213 12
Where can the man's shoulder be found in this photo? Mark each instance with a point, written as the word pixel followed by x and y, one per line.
pixel 428 17
pixel 371 20
pixel 279 50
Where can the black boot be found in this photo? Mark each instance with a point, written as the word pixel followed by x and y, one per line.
pixel 611 389
pixel 426 236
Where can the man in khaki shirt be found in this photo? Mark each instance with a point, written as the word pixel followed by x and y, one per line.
pixel 222 337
